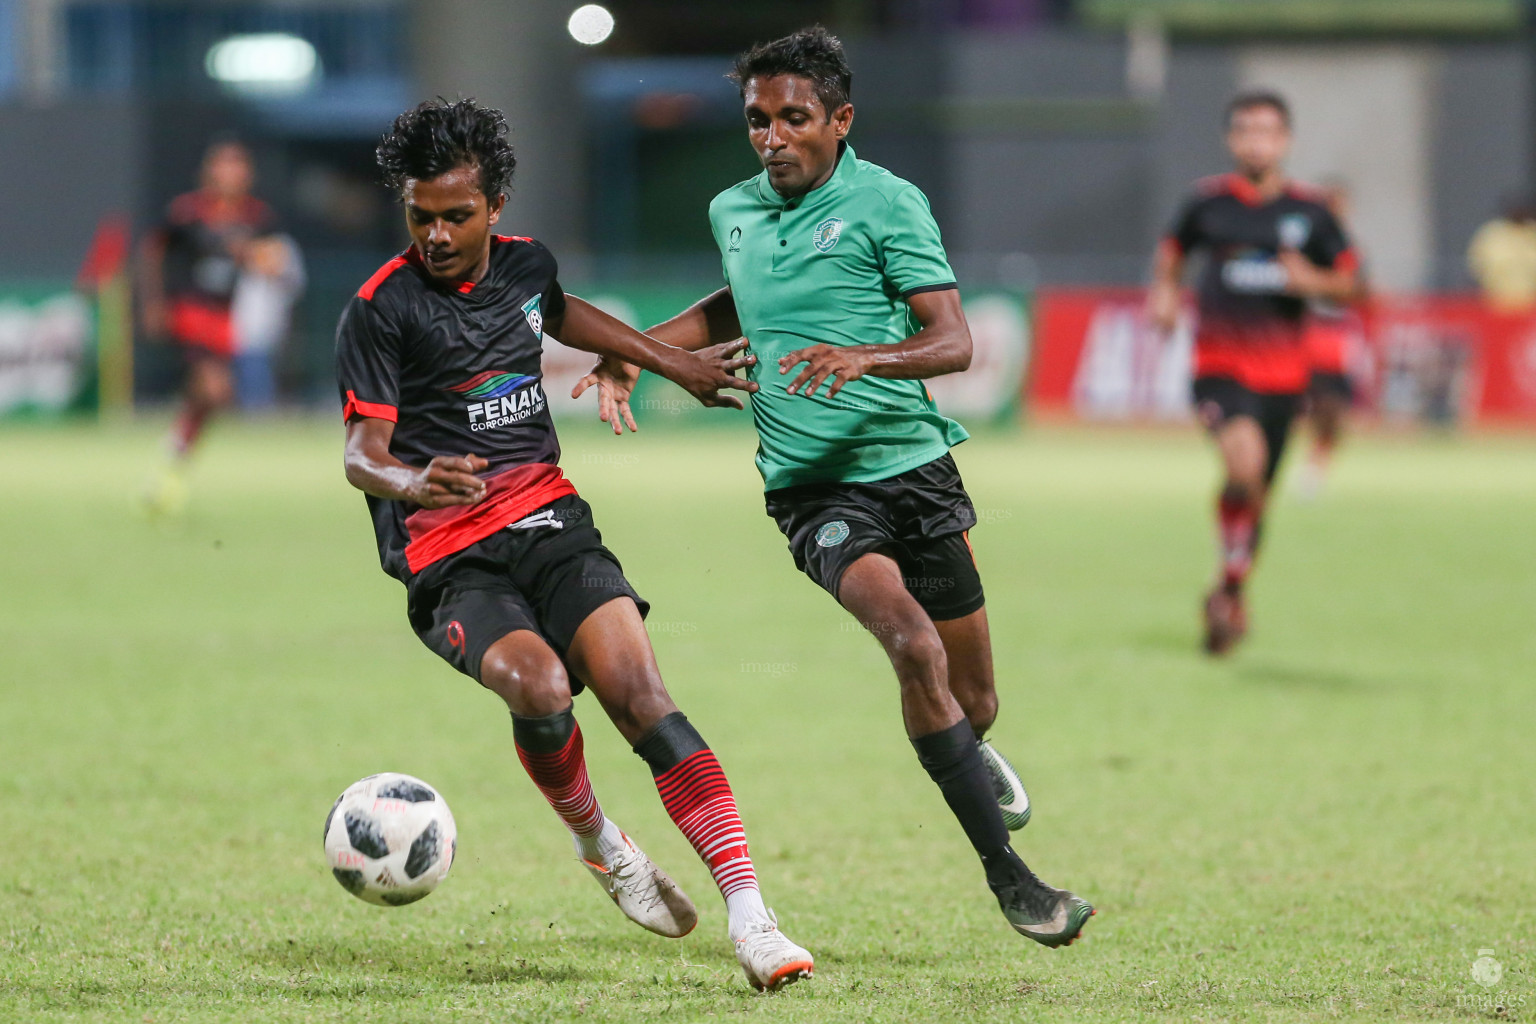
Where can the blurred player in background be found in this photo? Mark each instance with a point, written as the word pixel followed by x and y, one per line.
pixel 1270 248
pixel 1333 330
pixel 189 267
pixel 836 273
pixel 507 579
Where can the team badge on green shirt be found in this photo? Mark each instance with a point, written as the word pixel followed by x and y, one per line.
pixel 827 234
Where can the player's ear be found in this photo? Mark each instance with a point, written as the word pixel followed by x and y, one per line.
pixel 494 207
pixel 842 120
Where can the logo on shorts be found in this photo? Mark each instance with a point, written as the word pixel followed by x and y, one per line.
pixel 455 633
pixel 827 234
pixel 535 316
pixel 832 534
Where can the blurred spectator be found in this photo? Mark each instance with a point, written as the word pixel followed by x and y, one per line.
pixel 1502 257
pixel 270 282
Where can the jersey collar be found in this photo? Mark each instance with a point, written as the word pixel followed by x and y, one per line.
pixel 847 165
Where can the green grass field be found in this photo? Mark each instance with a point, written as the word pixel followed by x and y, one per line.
pixel 1328 826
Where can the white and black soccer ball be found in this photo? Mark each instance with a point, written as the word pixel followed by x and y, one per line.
pixel 390 839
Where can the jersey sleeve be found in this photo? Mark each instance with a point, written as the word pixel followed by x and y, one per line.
pixel 368 362
pixel 1184 233
pixel 1328 245
pixel 910 249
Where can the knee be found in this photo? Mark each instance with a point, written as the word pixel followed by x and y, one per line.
pixel 532 682
pixel 917 654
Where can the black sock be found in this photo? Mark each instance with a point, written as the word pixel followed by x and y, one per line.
pixel 544 734
pixel 668 742
pixel 953 761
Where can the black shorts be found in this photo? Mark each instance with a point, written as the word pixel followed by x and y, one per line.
pixel 545 574
pixel 919 518
pixel 1219 399
pixel 1335 384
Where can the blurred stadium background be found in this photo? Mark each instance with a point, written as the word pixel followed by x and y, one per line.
pixel 1054 138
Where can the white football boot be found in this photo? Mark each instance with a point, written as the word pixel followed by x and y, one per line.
pixel 769 958
pixel 1007 787
pixel 644 892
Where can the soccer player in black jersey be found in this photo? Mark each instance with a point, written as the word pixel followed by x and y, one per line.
pixel 506 575
pixel 1271 246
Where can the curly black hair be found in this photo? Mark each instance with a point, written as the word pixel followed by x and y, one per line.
pixel 438 136
pixel 812 53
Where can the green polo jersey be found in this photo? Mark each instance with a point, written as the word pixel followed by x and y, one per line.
pixel 834 266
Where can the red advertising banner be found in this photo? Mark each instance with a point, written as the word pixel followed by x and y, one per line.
pixel 1435 358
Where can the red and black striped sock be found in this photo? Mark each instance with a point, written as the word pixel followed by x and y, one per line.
pixel 551 750
pixel 1237 518
pixel 698 797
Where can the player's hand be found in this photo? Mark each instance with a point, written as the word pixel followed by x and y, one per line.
pixel 703 374
pixel 449 480
pixel 1302 277
pixel 615 381
pixel 1163 310
pixel 823 361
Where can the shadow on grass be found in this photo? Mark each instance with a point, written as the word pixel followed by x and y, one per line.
pixel 1296 677
pixel 452 963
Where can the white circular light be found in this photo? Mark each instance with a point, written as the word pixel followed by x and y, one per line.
pixel 590 24
pixel 263 60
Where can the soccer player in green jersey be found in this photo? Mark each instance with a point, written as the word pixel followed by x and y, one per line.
pixel 837 276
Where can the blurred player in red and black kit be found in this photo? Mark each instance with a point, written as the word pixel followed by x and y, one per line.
pixel 188 270
pixel 1271 246
pixel 507 579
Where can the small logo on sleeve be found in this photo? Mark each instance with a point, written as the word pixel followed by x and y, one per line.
pixel 827 234
pixel 735 240
pixel 832 534
pixel 535 316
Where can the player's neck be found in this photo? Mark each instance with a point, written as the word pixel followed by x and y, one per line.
pixel 1267 185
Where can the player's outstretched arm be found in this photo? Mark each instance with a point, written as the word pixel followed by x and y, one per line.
pixel 446 480
pixel 710 321
pixel 702 374
pixel 707 323
pixel 942 346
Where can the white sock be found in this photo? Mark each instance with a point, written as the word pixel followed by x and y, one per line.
pixel 600 848
pixel 745 909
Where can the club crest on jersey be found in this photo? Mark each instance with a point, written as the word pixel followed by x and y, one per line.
pixel 1294 229
pixel 832 534
pixel 827 234
pixel 501 398
pixel 535 316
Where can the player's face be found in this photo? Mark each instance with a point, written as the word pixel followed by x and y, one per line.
pixel 450 221
pixel 790 130
pixel 1258 140
pixel 227 171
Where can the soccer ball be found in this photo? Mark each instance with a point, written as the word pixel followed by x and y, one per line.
pixel 390 839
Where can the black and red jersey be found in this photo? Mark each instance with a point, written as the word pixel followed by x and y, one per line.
pixel 1250 329
pixel 458 371
pixel 201 236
